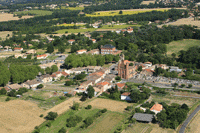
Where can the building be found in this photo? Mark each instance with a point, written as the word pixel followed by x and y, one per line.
pixel 31 84
pixel 81 51
pixel 61 59
pixel 44 56
pixel 120 86
pixel 125 70
pixel 94 40
pixel 141 117
pixel 126 96
pixel 109 49
pixel 71 41
pixel 156 108
pixel 45 78
pixel 103 86
pixel 94 51
pixel 147 72
pixel 14 86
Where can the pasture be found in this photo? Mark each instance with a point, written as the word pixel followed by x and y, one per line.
pixel 34 12
pixel 9 17
pixel 176 46
pixel 125 12
pixel 117 26
pixel 70 24
pixel 3 34
pixel 75 30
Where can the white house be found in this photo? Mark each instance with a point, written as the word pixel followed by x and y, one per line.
pixel 71 41
pixel 125 96
pixel 81 51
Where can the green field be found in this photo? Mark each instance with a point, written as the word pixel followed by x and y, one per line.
pixel 114 13
pixel 71 8
pixel 70 24
pixel 105 123
pixel 34 12
pixel 117 26
pixel 75 30
pixel 176 46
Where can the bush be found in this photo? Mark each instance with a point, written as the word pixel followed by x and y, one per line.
pixel 118 78
pixel 182 85
pixel 12 93
pixel 87 122
pixel 128 108
pixel 51 116
pixel 104 110
pixel 62 97
pixel 68 83
pixel 41 115
pixel 40 86
pixel 48 124
pixel 190 86
pixel 68 95
pixel 3 91
pixel 62 130
pixel 75 106
pixel 37 130
pixel 73 120
pixel 8 99
pixel 88 107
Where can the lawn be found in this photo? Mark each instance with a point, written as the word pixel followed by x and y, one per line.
pixel 34 12
pixel 75 30
pixel 126 12
pixel 176 46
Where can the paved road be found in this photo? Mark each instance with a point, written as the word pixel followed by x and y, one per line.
pixel 182 130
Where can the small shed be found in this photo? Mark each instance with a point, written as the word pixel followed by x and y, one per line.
pixel 142 117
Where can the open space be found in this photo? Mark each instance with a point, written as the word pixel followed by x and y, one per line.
pixel 185 44
pixel 3 34
pixel 19 116
pixel 34 12
pixel 111 105
pixel 148 2
pixel 75 30
pixel 194 124
pixel 8 17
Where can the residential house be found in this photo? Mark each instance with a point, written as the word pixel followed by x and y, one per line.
pixel 176 69
pixel 71 41
pixel 45 78
pixel 31 84
pixel 120 86
pixel 83 86
pixel 129 30
pixel 19 55
pixel 81 51
pixel 18 49
pixel 142 117
pixel 60 59
pixel 109 49
pixel 44 56
pixel 148 64
pixel 1 47
pixel 103 86
pixel 118 31
pixel 65 74
pixel 31 51
pixel 94 51
pixel 126 96
pixel 94 40
pixel 14 86
pixel 109 78
pixel 156 108
pixel 56 75
pixel 7 48
pixel 147 72
pixel 50 39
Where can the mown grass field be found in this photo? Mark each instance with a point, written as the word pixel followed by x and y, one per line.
pixel 176 46
pixel 34 12
pixel 125 12
pixel 75 30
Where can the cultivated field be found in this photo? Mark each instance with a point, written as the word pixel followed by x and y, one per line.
pixel 125 12
pixel 70 24
pixel 3 34
pixel 176 46
pixel 71 8
pixel 194 125
pixel 75 30
pixel 8 17
pixel 34 12
pixel 18 116
pixel 148 2
pixel 111 105
pixel 187 21
pixel 117 26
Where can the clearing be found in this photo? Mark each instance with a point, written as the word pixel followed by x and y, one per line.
pixel 193 125
pixel 187 21
pixel 8 17
pixel 111 105
pixel 3 34
pixel 185 44
pixel 34 12
pixel 19 116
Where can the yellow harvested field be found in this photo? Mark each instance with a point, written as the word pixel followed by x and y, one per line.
pixel 3 34
pixel 62 107
pixel 69 24
pixel 8 17
pixel 193 126
pixel 109 104
pixel 187 21
pixel 18 116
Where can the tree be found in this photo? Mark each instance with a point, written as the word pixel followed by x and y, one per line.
pixel 3 91
pixel 12 93
pixel 140 68
pixel 48 70
pixel 50 49
pixel 40 86
pixel 182 85
pixel 68 83
pixel 190 86
pixel 120 12
pixel 54 68
pixel 8 99
pixel 51 115
pixel 62 130
pixel 61 49
pixel 185 106
pixel 75 106
pixel 90 91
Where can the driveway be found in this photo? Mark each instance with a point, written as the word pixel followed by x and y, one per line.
pixel 182 129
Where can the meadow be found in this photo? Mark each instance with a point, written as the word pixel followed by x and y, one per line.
pixel 9 17
pixel 75 30
pixel 70 24
pixel 34 12
pixel 124 12
pixel 176 46
pixel 71 8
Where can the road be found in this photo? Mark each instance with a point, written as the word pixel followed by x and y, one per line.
pixel 182 129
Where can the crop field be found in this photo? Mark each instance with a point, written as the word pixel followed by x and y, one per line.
pixel 148 2
pixel 18 116
pixel 75 30
pixel 70 24
pixel 117 26
pixel 9 17
pixel 176 46
pixel 34 12
pixel 111 105
pixel 194 124
pixel 71 8
pixel 125 12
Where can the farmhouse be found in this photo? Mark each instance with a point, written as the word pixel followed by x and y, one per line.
pixel 143 117
pixel 14 86
pixel 81 51
pixel 156 108
pixel 31 84
pixel 45 78
pixel 125 96
pixel 120 86
pixel 109 49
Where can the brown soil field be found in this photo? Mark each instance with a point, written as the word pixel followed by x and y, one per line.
pixel 8 17
pixel 193 127
pixel 109 104
pixel 18 116
pixel 187 21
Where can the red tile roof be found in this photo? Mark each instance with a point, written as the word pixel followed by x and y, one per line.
pixel 17 48
pixel 64 73
pixel 149 70
pixel 126 94
pixel 71 40
pixel 82 50
pixel 157 107
pixel 102 83
pixel 120 85
pixel 43 55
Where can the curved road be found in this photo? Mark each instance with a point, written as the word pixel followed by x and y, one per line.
pixel 182 130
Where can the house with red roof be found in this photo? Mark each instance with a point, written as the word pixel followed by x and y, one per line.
pixel 103 86
pixel 43 56
pixel 130 30
pixel 81 51
pixel 18 49
pixel 126 96
pixel 120 86
pixel 56 75
pixel 156 108
pixel 71 41
pixel 65 74
pixel 94 40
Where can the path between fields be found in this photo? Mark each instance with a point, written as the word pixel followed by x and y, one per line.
pixel 182 129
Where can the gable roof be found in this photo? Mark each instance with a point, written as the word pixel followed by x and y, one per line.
pixel 157 107
pixel 102 83
pixel 82 50
pixel 149 70
pixel 120 84
pixel 126 94
pixel 143 117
